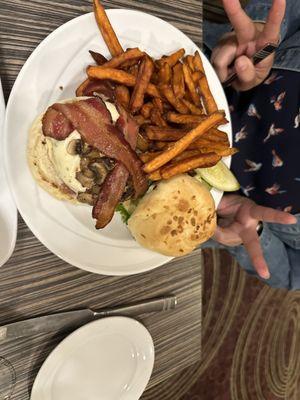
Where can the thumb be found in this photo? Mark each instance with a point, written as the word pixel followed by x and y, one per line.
pixel 227 236
pixel 246 74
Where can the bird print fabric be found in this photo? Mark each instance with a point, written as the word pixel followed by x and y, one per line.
pixel 266 130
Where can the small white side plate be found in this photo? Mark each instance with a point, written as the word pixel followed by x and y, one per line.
pixel 109 359
pixel 8 211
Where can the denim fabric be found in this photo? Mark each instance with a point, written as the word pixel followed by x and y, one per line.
pixel 288 53
pixel 281 247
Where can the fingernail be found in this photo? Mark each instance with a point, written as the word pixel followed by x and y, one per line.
pixel 294 220
pixel 266 275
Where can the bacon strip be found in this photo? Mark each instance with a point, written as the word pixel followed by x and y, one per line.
pixel 104 136
pixel 115 183
pixel 110 195
pixel 128 126
pixel 56 125
pixel 104 88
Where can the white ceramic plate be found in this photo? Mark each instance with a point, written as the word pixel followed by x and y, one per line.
pixel 51 74
pixel 8 210
pixel 109 359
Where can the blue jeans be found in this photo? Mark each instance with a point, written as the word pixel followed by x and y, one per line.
pixel 281 248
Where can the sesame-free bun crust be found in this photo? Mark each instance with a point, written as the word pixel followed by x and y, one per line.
pixel 174 218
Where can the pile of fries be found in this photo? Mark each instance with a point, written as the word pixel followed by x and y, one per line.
pixel 170 100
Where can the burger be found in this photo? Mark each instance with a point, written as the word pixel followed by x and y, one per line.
pixel 175 217
pixel 83 150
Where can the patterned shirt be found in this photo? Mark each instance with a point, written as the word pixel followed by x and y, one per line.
pixel 266 130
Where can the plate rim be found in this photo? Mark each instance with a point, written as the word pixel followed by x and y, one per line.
pixel 13 211
pixel 133 322
pixel 91 268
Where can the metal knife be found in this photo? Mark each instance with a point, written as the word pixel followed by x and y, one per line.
pixel 257 58
pixel 70 320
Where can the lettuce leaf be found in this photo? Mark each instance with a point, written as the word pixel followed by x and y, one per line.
pixel 125 215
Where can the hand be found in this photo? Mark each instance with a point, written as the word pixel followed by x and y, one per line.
pixel 239 218
pixel 239 46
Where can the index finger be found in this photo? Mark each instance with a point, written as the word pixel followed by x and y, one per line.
pixel 253 247
pixel 272 27
pixel 267 214
pixel 241 23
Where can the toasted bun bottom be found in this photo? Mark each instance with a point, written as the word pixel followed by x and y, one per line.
pixel 40 163
pixel 174 218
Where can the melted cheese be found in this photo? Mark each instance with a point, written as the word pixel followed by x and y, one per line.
pixel 113 111
pixel 67 165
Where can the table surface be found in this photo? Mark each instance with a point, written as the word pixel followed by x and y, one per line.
pixel 36 282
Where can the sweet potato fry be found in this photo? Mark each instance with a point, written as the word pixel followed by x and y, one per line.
pixel 190 85
pixel 178 81
pixel 158 103
pixel 155 176
pixel 230 151
pixel 165 134
pixel 81 88
pixel 149 155
pixel 216 135
pixel 146 110
pixel 142 143
pixel 207 142
pixel 157 145
pixel 156 118
pixel 205 146
pixel 106 29
pixel 220 150
pixel 197 75
pixel 167 91
pixel 141 84
pixel 193 109
pixel 182 144
pixel 189 60
pixel 119 76
pixel 154 78
pixel 134 70
pixel 208 99
pixel 198 63
pixel 164 74
pixel 186 154
pixel 188 164
pixel 121 59
pixel 184 118
pixel 172 59
pixel 98 58
pixel 122 95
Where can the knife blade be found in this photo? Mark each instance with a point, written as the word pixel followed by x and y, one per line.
pixel 70 320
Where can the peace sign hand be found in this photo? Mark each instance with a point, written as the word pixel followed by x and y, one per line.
pixel 238 220
pixel 235 49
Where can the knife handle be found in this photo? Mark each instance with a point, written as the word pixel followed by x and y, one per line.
pixel 157 305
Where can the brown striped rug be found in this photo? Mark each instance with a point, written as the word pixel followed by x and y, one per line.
pixel 251 340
